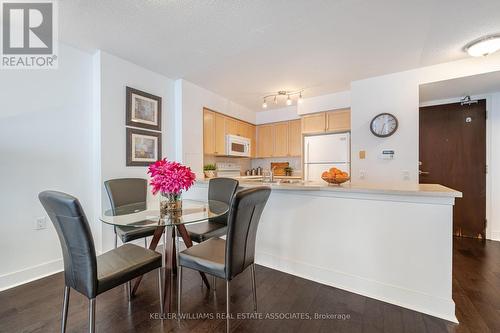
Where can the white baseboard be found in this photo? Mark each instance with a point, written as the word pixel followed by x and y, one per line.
pixel 410 299
pixel 29 274
pixel 495 235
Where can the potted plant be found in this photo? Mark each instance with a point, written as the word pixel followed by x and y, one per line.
pixel 209 170
pixel 169 179
pixel 288 171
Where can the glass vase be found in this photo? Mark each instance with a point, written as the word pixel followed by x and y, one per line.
pixel 170 205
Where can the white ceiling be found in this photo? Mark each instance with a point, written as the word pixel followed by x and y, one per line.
pixel 470 85
pixel 246 49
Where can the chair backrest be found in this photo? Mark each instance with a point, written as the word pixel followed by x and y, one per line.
pixel 244 216
pixel 222 189
pixel 124 192
pixel 80 263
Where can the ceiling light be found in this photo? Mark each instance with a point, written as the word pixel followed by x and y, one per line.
pixel 283 93
pixel 300 100
pixel 484 46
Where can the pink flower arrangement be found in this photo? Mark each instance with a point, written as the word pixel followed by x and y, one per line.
pixel 170 178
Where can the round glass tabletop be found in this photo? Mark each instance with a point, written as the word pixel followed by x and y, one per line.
pixel 136 215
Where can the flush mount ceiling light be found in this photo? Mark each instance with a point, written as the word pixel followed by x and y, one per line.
pixel 484 46
pixel 283 93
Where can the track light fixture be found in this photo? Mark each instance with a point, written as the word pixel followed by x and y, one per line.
pixel 286 93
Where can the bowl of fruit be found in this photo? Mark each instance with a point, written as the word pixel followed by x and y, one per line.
pixel 335 176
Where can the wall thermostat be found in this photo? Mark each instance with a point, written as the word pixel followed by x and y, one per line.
pixel 387 154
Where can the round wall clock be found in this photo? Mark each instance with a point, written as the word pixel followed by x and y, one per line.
pixel 384 125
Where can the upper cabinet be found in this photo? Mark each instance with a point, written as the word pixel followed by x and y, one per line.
pixel 314 123
pixel 215 128
pixel 338 120
pixel 231 126
pixel 294 138
pixel 280 139
pixel 220 134
pixel 331 121
pixel 208 132
pixel 265 140
pixel 283 139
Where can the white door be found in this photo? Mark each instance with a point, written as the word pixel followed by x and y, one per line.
pixel 330 148
pixel 313 171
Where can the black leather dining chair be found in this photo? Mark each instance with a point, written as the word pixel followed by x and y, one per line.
pixel 220 189
pixel 128 194
pixel 85 272
pixel 228 258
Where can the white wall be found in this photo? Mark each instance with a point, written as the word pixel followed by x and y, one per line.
pixel 275 115
pixel 45 143
pixel 189 119
pixel 398 93
pixel 338 100
pixel 114 75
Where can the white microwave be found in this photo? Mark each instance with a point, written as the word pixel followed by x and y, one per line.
pixel 237 146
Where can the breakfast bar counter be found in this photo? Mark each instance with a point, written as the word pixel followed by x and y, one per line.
pixel 391 243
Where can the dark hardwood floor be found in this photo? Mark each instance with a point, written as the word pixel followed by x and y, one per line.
pixel 36 307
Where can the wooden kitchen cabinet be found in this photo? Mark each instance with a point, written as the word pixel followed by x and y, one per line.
pixel 208 132
pixel 314 123
pixel 232 126
pixel 338 121
pixel 220 134
pixel 265 140
pixel 280 139
pixel 294 138
pixel 215 128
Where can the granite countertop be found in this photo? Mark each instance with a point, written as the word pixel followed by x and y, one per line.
pixel 434 190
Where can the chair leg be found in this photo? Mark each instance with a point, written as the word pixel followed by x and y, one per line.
pixel 164 244
pixel 254 288
pixel 65 309
pixel 179 291
pixel 92 315
pixel 214 281
pixel 129 290
pixel 116 240
pixel 227 306
pixel 160 289
pixel 145 242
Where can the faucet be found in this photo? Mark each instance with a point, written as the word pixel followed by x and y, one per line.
pixel 271 174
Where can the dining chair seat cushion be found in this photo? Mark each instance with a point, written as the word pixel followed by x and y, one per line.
pixel 123 264
pixel 128 234
pixel 208 257
pixel 199 232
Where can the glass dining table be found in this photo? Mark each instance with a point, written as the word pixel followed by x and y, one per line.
pixel 171 226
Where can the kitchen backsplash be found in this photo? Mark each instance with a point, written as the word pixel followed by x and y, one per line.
pixel 265 163
pixel 244 163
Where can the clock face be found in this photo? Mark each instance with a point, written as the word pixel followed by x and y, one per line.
pixel 384 125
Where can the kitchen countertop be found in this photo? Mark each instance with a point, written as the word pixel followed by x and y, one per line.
pixel 430 190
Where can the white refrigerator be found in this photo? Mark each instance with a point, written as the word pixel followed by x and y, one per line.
pixel 322 152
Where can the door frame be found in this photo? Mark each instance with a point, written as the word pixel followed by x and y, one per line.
pixel 488 232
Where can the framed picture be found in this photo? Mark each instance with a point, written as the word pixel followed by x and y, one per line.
pixel 143 109
pixel 143 147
